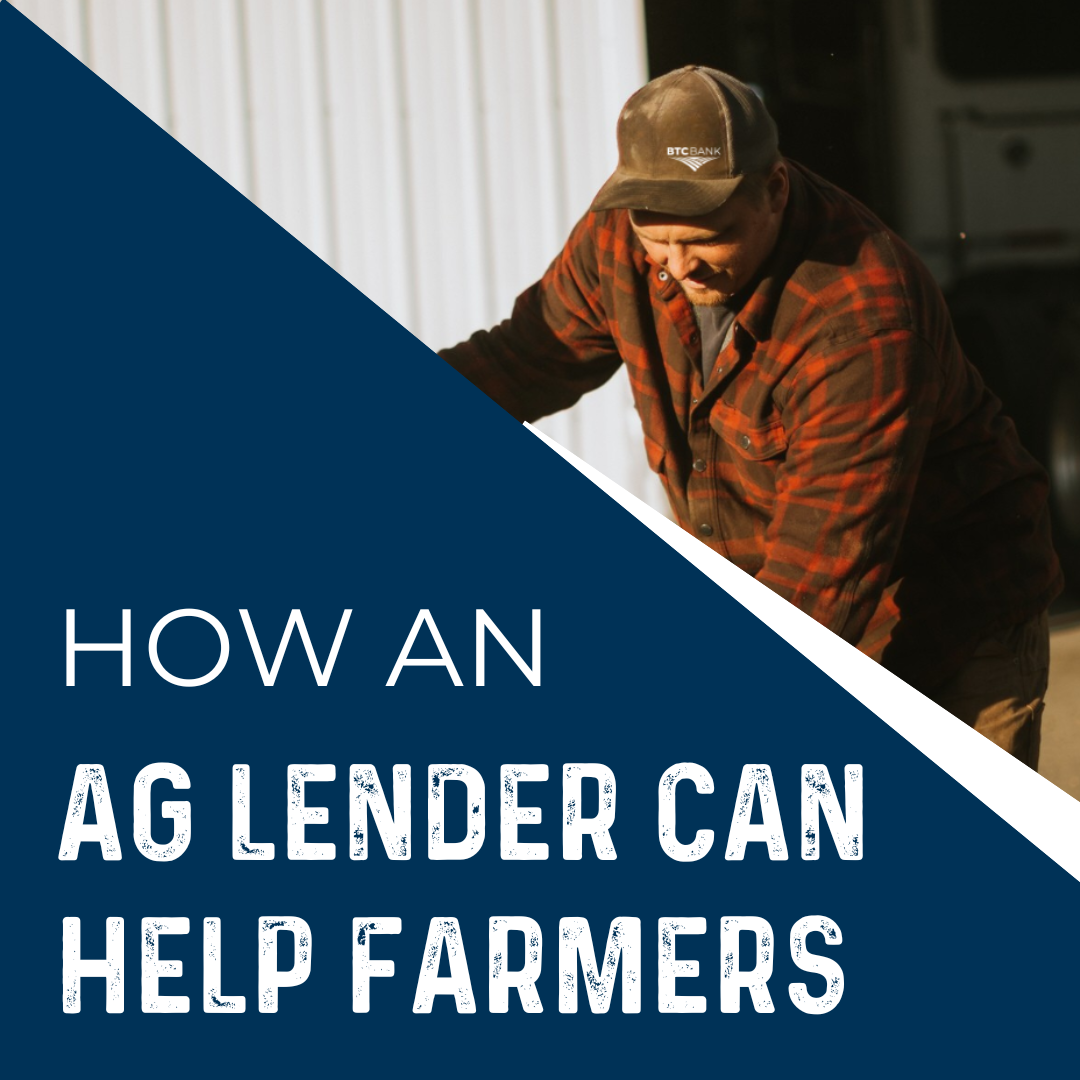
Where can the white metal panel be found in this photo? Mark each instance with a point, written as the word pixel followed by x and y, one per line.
pixel 287 118
pixel 436 152
pixel 209 85
pixel 522 149
pixel 443 152
pixel 62 20
pixel 600 52
pixel 368 134
pixel 126 46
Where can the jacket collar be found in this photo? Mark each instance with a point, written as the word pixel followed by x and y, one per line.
pixel 756 314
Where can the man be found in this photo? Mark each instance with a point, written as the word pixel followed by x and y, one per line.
pixel 803 399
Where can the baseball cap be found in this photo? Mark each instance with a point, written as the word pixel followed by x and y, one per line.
pixel 686 140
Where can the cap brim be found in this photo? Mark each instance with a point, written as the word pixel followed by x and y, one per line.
pixel 685 198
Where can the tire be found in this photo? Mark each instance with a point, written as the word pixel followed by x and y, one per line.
pixel 1023 334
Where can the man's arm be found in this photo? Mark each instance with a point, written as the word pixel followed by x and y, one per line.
pixel 861 419
pixel 556 345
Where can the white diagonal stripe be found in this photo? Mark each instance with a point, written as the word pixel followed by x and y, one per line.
pixel 1046 815
pixel 695 163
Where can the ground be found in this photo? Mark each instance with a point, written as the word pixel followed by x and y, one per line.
pixel 1059 760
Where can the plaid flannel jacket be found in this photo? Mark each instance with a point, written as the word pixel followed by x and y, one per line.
pixel 841 448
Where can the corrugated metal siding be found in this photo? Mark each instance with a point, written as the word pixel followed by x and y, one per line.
pixel 435 152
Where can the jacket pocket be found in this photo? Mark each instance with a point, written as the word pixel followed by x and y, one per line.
pixel 753 440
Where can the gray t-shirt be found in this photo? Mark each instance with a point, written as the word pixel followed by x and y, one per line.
pixel 715 325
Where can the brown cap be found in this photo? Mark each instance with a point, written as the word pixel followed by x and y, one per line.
pixel 686 140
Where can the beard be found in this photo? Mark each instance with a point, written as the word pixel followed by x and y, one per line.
pixel 705 297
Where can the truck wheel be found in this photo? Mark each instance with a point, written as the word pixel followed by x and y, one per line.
pixel 1063 447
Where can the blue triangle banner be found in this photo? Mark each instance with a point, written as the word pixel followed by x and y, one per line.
pixel 248 830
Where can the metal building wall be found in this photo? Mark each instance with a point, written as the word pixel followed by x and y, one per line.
pixel 435 152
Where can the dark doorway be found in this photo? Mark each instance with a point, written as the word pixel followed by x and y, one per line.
pixel 818 66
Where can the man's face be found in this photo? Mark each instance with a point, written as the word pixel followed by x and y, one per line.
pixel 713 256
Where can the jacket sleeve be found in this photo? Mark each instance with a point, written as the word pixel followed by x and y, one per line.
pixel 556 345
pixel 860 416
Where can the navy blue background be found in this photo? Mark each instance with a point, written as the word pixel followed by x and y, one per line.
pixel 199 413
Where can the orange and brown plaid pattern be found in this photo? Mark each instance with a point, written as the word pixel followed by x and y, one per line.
pixel 841 448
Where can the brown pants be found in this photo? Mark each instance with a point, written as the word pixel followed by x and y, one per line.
pixel 1000 690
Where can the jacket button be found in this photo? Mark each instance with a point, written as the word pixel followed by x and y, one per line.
pixel 693 337
pixel 705 529
pixel 744 442
pixel 694 400
pixel 663 276
pixel 699 465
pixel 719 370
